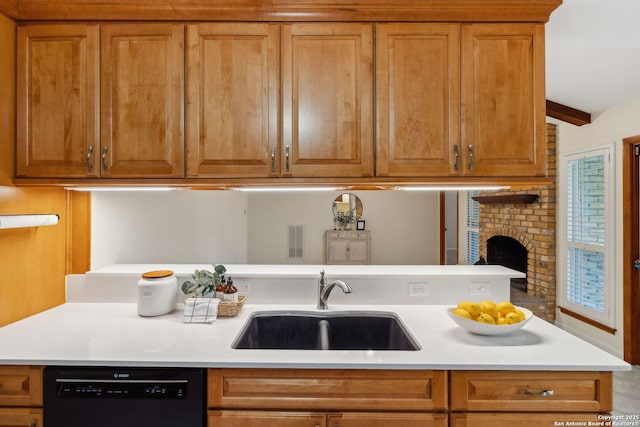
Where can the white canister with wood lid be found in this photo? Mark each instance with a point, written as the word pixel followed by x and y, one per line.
pixel 157 293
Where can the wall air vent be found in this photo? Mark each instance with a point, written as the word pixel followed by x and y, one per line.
pixel 296 242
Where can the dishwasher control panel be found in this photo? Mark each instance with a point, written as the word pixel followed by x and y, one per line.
pixel 70 388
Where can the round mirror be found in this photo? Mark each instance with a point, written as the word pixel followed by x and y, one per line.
pixel 347 208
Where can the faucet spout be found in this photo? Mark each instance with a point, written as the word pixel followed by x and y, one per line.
pixel 325 290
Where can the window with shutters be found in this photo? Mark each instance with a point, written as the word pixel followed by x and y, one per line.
pixel 586 243
pixel 472 234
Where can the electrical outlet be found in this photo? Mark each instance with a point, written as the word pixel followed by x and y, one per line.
pixel 242 286
pixel 418 289
pixel 480 288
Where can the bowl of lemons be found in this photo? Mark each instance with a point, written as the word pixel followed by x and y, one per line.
pixel 489 317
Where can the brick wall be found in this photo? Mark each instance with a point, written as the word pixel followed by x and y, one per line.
pixel 534 226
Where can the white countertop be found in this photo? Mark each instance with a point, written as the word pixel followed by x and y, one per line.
pixel 313 271
pixel 113 334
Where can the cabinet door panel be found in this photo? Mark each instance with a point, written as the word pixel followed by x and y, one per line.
pixel 338 251
pixel 372 419
pixel 265 419
pixel 20 417
pixel 418 99
pixel 523 419
pixel 531 391
pixel 57 101
pixel 233 78
pixel 20 386
pixel 327 100
pixel 142 100
pixel 358 252
pixel 503 100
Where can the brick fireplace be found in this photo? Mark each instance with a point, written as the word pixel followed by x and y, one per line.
pixel 531 222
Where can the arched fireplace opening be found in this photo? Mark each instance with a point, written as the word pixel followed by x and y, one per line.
pixel 508 252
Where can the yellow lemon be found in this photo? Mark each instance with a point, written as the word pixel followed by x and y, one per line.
pixel 513 317
pixel 491 311
pixel 487 303
pixel 485 318
pixel 462 313
pixel 505 307
pixel 520 313
pixel 501 321
pixel 473 308
pixel 463 304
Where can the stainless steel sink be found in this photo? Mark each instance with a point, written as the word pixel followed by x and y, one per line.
pixel 310 330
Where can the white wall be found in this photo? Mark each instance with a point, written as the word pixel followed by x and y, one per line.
pixel 610 126
pixel 404 225
pixel 233 227
pixel 194 227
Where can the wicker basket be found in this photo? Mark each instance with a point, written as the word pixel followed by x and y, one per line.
pixel 230 308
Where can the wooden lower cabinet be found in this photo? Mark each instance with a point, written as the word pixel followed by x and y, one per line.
pixel 521 419
pixel 384 419
pixel 232 418
pixel 327 398
pixel 266 419
pixel 20 417
pixel 21 396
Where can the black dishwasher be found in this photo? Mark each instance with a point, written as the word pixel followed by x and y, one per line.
pixel 124 397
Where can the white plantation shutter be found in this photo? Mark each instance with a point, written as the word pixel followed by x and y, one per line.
pixel 588 238
pixel 472 233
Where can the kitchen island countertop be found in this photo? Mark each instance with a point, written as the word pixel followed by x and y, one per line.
pixel 112 334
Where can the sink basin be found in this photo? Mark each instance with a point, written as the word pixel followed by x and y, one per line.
pixel 310 330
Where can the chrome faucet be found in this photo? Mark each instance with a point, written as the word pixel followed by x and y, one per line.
pixel 324 290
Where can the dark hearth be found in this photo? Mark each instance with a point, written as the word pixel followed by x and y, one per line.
pixel 508 252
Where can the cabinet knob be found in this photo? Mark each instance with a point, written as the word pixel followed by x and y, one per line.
pixel 105 166
pixel 89 153
pixel 32 423
pixel 470 157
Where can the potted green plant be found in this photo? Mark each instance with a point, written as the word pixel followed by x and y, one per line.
pixel 204 282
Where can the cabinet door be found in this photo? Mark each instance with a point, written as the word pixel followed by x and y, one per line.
pixel 418 99
pixel 57 101
pixel 20 417
pixel 20 386
pixel 337 250
pixel 142 75
pixel 232 101
pixel 511 419
pixel 396 419
pixel 327 100
pixel 503 100
pixel 266 419
pixel 358 251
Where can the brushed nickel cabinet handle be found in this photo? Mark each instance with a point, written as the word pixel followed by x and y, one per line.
pixel 273 158
pixel 456 153
pixel 105 166
pixel 89 153
pixel 470 157
pixel 32 423
pixel 542 393
pixel 286 157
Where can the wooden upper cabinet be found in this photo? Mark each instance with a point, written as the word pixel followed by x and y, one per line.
pixel 327 78
pixel 418 99
pixel 503 100
pixel 233 100
pixel 57 101
pixel 142 100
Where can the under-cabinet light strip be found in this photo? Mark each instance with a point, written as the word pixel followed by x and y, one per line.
pixel 20 221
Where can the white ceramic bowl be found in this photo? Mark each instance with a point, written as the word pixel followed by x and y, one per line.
pixel 484 329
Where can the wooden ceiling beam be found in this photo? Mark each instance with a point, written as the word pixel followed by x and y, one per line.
pixel 567 114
